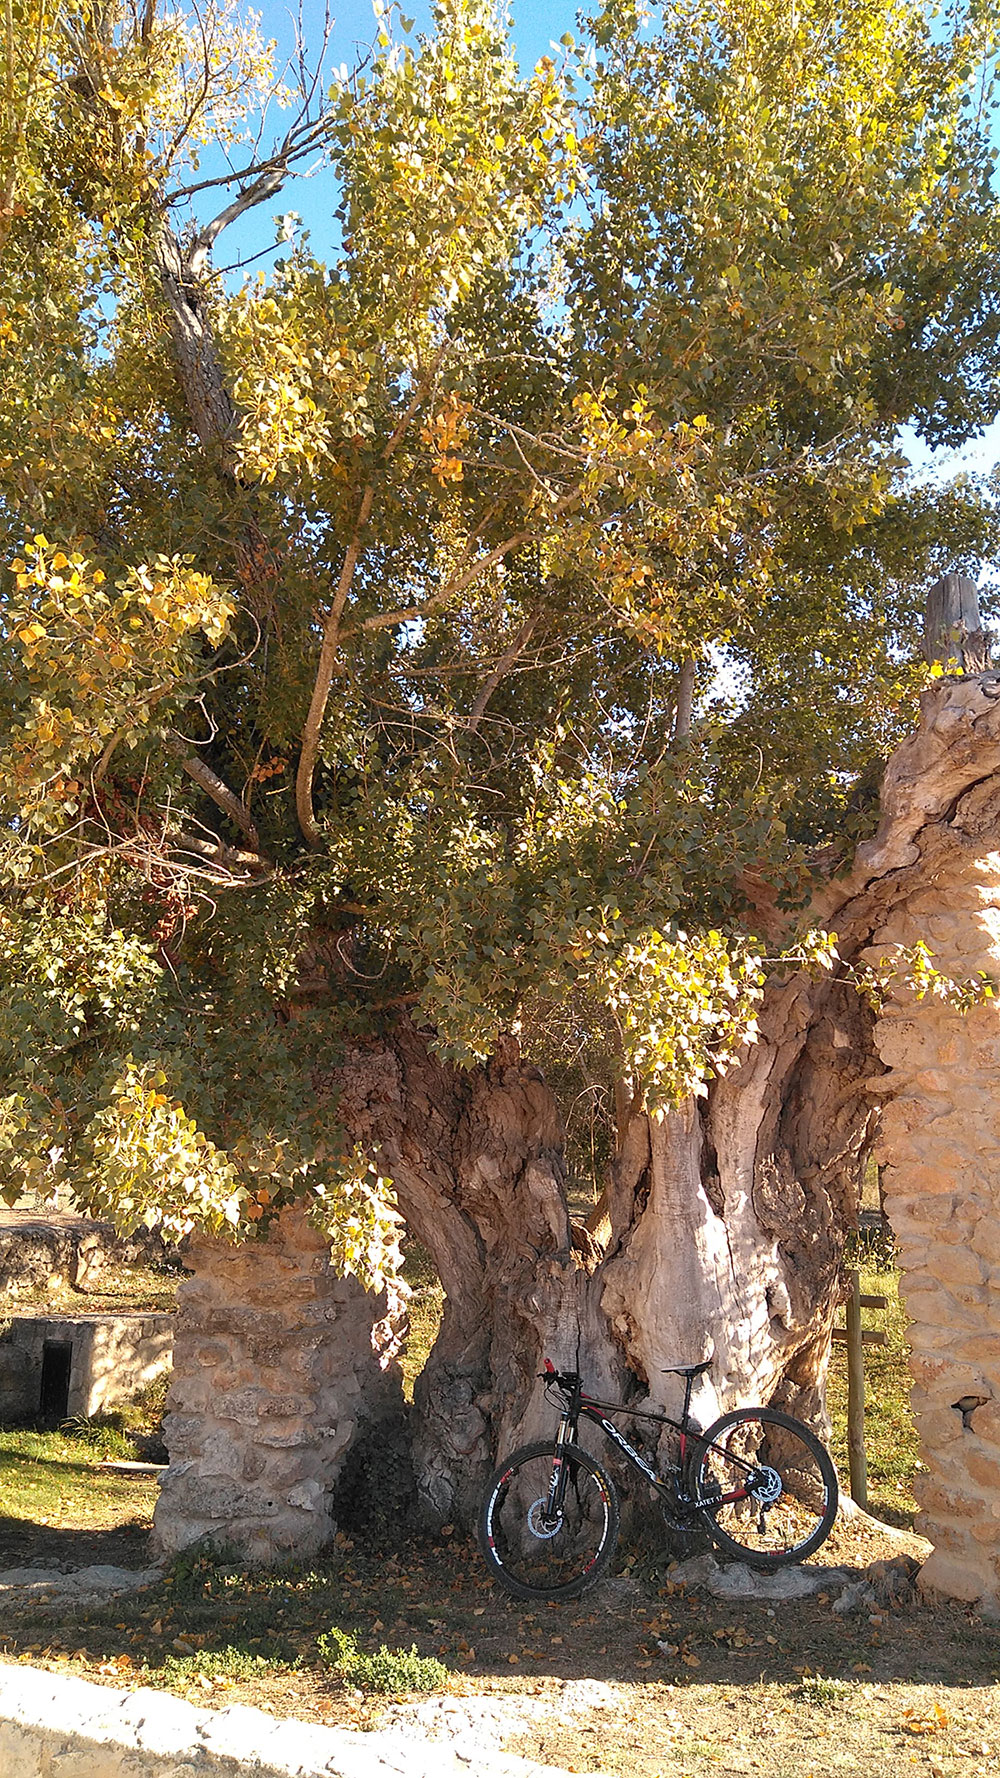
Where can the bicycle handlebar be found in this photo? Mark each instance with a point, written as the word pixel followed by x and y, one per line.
pixel 568 1380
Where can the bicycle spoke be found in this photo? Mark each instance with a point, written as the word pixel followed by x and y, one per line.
pixel 768 1485
pixel 542 1548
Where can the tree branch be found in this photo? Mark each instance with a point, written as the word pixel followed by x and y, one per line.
pixel 267 186
pixel 685 699
pixel 219 792
pixel 331 629
pixel 324 677
pixel 502 667
pixel 251 863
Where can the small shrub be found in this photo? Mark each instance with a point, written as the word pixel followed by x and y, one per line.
pixel 817 1688
pixel 391 1670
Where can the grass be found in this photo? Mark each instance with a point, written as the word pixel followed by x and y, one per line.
pixel 123 1290
pixel 57 1502
pixel 890 1434
pixel 54 1478
pixel 55 1496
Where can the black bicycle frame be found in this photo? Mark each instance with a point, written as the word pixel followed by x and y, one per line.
pixel 585 1407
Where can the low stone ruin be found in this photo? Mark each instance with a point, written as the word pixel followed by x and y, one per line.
pixel 55 1367
pixel 49 1250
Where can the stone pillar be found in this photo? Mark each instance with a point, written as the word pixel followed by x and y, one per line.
pixel 278 1363
pixel 940 1148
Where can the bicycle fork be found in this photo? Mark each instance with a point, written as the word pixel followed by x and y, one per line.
pixel 557 1480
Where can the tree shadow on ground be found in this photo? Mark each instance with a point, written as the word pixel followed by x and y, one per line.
pixel 24 1542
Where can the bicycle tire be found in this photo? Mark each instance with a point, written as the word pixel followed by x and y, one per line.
pixel 530 1557
pixel 767 1530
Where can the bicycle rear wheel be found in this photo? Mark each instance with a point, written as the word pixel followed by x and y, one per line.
pixel 542 1552
pixel 765 1485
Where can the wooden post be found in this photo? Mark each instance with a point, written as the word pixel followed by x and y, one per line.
pixel 953 628
pixel 856 1458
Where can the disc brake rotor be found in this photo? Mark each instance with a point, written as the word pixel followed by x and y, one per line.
pixel 539 1521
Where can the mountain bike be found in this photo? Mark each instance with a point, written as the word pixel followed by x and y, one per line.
pixel 760 1484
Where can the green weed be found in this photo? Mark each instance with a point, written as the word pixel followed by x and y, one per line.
pixel 391 1670
pixel 223 1663
pixel 103 1433
pixel 818 1688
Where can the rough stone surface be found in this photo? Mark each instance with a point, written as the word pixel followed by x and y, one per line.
pixel 278 1363
pixel 54 1724
pixel 940 1148
pixel 884 1583
pixel 65 1586
pixel 735 1580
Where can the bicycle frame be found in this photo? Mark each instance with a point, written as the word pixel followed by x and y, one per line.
pixel 580 1406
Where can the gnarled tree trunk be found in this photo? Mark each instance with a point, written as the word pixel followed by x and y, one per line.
pixel 722 1231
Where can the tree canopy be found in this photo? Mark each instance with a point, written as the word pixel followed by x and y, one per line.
pixel 464 629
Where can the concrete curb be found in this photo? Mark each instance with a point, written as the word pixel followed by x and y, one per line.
pixel 56 1724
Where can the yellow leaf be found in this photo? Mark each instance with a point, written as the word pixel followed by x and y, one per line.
pixel 59 560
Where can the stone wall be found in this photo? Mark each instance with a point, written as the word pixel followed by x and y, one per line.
pixel 940 1145
pixel 278 1364
pixel 932 874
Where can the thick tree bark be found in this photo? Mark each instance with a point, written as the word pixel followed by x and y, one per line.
pixel 723 1232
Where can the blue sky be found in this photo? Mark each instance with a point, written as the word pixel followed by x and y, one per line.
pixel 537 24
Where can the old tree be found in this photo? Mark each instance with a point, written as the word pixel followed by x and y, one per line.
pixel 433 677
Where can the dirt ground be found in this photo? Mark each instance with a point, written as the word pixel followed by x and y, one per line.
pixel 639 1678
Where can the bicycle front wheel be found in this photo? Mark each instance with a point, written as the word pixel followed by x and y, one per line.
pixel 765 1485
pixel 548 1532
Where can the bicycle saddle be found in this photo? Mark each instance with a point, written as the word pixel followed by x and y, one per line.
pixel 687 1370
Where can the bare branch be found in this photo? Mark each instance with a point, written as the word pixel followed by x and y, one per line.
pixel 218 853
pixel 300 141
pixel 503 666
pixel 258 192
pixel 220 793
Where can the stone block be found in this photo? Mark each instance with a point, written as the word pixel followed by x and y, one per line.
pixel 956 1265
pixel 954 1576
pixel 939 1427
pixel 985 1471
pixel 281 1438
